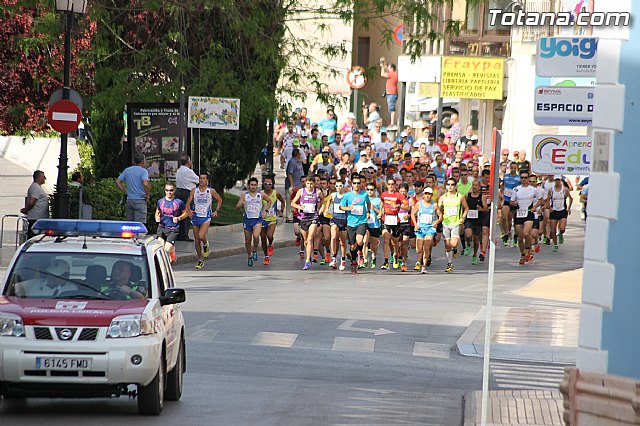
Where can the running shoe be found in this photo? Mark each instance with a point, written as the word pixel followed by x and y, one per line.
pixel 481 257
pixel 255 256
pixel 333 264
pixel 354 268
pixel 429 261
pixel 301 255
pixel 266 261
pixel 396 263
pixel 250 261
pixel 529 258
pixel 373 263
pixel 537 248
pixel 297 241
pixel 385 265
pixel 505 240
pixel 522 260
pixel 449 267
pixel 365 263
pixel 327 257
pixel 547 241
pixel 417 266
pixel 315 257
pixel 455 253
pixel 555 249
pixel 205 250
pixel 200 264
pixel 561 238
pixel 466 251
pixel 423 270
pixel 514 243
pixel 322 261
pixel 404 267
pixel 343 265
pixel 474 260
pixel 270 250
pixel 361 260
pixel 172 256
pixel 307 265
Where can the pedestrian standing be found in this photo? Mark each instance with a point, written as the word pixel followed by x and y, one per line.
pixel 37 202
pixel 137 191
pixel 186 181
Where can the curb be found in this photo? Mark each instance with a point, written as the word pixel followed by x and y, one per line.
pixel 230 251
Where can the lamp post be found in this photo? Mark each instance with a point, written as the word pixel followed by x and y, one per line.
pixel 61 197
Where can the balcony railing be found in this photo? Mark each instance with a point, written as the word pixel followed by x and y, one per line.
pixel 534 32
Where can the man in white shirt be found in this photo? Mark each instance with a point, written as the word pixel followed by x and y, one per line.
pixel 37 203
pixel 382 149
pixel 186 180
pixel 53 282
pixel 364 162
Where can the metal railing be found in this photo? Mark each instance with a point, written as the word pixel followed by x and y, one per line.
pixel 22 226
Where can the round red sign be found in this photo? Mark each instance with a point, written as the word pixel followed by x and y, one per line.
pixel 64 116
pixel 356 77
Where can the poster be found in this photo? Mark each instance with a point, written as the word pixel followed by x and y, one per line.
pixel 563 106
pixel 562 154
pixel 154 131
pixel 213 113
pixel 472 77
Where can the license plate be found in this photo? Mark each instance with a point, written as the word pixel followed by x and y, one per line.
pixel 47 363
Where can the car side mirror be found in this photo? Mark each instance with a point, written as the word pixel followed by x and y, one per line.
pixel 172 296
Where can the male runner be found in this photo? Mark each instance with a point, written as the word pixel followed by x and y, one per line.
pixel 509 182
pixel 560 210
pixel 391 201
pixel 426 218
pixel 453 210
pixel 201 197
pixel 473 223
pixel 404 223
pixel 307 201
pixel 524 201
pixel 170 211
pixel 251 202
pixel 270 217
pixel 357 205
pixel 374 230
pixel 338 224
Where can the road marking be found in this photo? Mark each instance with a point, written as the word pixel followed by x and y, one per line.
pixel 513 375
pixel 353 344
pixel 278 340
pixel 203 332
pixel 432 350
pixel 348 326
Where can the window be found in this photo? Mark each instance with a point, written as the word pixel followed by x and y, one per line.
pixel 160 274
pixel 364 46
pixel 472 24
pixel 495 29
pixel 79 275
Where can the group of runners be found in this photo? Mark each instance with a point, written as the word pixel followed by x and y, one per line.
pixel 346 220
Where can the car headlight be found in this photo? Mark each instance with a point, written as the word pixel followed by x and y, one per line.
pixel 11 325
pixel 129 326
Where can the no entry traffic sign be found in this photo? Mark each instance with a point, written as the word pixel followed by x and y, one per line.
pixel 64 116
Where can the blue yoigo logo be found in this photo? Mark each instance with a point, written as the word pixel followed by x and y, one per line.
pixel 584 48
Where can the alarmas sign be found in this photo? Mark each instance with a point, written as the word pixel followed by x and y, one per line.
pixel 562 154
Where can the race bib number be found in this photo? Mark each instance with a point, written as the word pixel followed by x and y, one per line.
pixel 508 192
pixel 472 214
pixel 336 208
pixel 522 213
pixel 425 218
pixel 391 219
pixel 404 217
pixel 371 219
pixel 451 211
pixel 202 210
pixel 357 210
pixel 253 211
pixel 309 207
pixel 558 205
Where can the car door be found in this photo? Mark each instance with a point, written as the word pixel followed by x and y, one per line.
pixel 168 311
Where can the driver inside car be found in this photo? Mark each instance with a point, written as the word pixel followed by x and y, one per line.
pixel 121 285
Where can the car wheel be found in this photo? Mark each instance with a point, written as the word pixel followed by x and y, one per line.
pixel 151 397
pixel 176 376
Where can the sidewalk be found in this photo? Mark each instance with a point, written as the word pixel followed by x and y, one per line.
pixel 517 407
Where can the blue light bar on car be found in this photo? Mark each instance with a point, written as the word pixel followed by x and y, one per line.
pixel 90 228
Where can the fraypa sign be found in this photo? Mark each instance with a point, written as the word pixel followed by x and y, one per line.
pixel 566 56
pixel 563 106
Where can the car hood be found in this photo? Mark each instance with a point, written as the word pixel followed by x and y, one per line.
pixel 97 313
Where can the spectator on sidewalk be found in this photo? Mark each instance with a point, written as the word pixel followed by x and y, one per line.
pixel 186 181
pixel 137 191
pixel 371 115
pixel 77 179
pixel 391 90
pixel 293 180
pixel 37 202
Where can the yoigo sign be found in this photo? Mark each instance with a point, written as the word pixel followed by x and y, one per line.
pixel 566 56
pixel 562 154
pixel 563 106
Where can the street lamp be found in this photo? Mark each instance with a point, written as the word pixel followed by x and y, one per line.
pixel 61 197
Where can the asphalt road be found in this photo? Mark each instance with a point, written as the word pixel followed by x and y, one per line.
pixel 280 346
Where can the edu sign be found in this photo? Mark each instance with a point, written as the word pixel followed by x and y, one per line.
pixel 563 106
pixel 562 154
pixel 566 56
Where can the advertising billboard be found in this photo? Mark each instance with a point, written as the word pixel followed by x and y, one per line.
pixel 154 130
pixel 562 154
pixel 563 106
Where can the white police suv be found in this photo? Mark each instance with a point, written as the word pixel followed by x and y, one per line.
pixel 89 309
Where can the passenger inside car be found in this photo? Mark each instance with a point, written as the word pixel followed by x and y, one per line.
pixel 53 282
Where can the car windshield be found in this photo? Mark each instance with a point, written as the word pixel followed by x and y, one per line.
pixel 79 276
